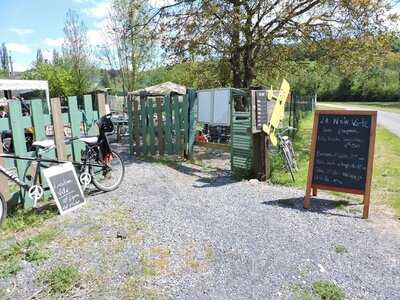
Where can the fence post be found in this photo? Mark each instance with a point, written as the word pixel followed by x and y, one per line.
pixel 130 123
pixel 177 125
pixel 143 125
pixel 150 113
pixel 58 128
pixel 160 125
pixel 136 125
pixel 168 125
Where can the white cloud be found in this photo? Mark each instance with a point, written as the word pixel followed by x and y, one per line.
pixel 20 67
pixel 99 10
pixel 54 42
pixel 21 31
pixel 19 48
pixel 47 54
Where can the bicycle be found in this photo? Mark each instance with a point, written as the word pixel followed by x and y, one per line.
pixel 99 165
pixel 286 149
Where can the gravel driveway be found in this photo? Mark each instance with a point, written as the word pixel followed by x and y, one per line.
pixel 190 234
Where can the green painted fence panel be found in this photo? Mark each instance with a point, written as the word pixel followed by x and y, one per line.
pixel 143 125
pixel 176 125
pixel 18 136
pixel 130 125
pixel 75 118
pixel 151 129
pixel 185 123
pixel 169 146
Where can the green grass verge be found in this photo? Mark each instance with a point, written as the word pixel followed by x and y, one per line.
pixel 386 174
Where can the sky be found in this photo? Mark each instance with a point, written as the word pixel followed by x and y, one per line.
pixel 26 25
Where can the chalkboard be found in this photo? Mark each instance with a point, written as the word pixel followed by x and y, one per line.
pixel 342 149
pixel 341 152
pixel 65 187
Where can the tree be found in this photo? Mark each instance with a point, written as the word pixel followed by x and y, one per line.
pixel 5 64
pixel 130 46
pixel 247 33
pixel 76 52
pixel 39 57
pixel 56 57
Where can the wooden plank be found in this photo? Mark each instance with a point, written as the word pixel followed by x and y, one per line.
pixel 143 124
pixel 136 124
pixel 185 124
pixel 58 128
pixel 151 129
pixel 89 116
pixel 370 166
pixel 75 123
pixel 168 125
pixel 130 124
pixel 160 127
pixel 38 120
pixel 101 104
pixel 18 136
pixel 4 189
pixel 176 125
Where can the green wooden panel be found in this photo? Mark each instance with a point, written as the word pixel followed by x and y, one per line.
pixel 151 129
pixel 4 125
pixel 89 116
pixel 185 121
pixel 193 106
pixel 130 125
pixel 143 125
pixel 168 125
pixel 176 125
pixel 38 119
pixel 18 135
pixel 75 118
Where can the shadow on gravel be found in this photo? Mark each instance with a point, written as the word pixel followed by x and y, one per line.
pixel 318 205
pixel 207 179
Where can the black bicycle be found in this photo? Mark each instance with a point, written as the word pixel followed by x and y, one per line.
pixel 286 149
pixel 99 165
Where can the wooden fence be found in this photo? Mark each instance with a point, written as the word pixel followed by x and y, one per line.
pixel 74 119
pixel 161 125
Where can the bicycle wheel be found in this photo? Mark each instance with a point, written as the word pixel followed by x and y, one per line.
pixel 292 154
pixel 287 157
pixel 3 209
pixel 108 177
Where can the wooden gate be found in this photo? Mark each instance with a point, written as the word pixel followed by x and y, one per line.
pixel 162 125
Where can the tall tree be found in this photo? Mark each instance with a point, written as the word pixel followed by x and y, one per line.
pixel 5 64
pixel 56 57
pixel 76 51
pixel 246 32
pixel 39 57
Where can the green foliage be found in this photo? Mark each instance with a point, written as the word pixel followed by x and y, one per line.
pixel 328 290
pixel 61 279
pixel 340 249
pixel 9 267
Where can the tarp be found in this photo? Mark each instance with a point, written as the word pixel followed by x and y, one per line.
pixel 163 89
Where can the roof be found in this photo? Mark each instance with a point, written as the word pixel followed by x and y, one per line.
pixel 162 89
pixel 14 85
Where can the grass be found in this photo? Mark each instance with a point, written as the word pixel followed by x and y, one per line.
pixel 136 289
pixel 20 219
pixel 386 173
pixel 340 249
pixel 61 279
pixel 328 290
pixel 385 106
pixel 32 250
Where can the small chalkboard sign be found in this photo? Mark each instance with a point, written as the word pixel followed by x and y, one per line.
pixel 342 150
pixel 65 187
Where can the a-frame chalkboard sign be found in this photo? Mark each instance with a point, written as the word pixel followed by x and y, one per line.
pixel 341 154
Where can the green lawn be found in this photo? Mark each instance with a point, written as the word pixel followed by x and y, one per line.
pixel 386 175
pixel 385 106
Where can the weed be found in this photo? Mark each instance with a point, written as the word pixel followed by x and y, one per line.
pixel 135 289
pixel 328 290
pixel 340 249
pixel 61 279
pixel 10 267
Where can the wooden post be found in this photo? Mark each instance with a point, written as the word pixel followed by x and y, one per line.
pixel 370 166
pixel 143 123
pixel 151 134
pixel 101 104
pixel 130 123
pixel 58 128
pixel 168 125
pixel 75 123
pixel 307 198
pixel 160 125
pixel 177 127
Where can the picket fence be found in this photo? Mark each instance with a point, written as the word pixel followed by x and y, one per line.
pixel 74 119
pixel 162 125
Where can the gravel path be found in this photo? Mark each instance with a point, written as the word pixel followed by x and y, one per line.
pixel 187 234
pixel 389 120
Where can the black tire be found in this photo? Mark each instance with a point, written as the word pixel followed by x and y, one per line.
pixel 3 209
pixel 98 176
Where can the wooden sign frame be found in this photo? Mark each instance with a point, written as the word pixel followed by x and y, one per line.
pixel 315 187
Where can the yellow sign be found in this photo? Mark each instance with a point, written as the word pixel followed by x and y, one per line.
pixel 278 112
